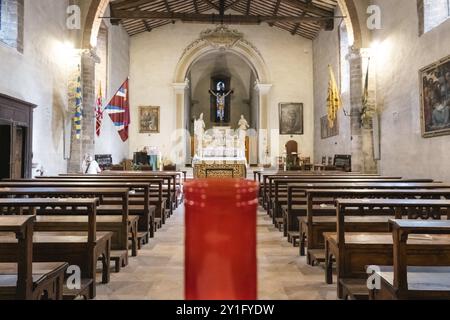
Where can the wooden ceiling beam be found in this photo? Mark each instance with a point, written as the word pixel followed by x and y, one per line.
pixel 196 6
pixel 211 18
pixel 233 4
pixel 275 10
pixel 147 26
pixel 127 4
pixel 212 4
pixel 309 8
pixel 249 4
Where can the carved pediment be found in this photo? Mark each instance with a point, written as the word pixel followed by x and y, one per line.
pixel 222 37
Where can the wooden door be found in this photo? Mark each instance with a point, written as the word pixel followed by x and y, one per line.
pixel 18 151
pixel 5 154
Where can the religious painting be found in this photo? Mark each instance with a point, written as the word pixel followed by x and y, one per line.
pixel 326 131
pixel 435 99
pixel 291 118
pixel 149 120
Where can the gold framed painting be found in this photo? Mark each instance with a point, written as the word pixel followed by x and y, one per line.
pixel 149 119
pixel 291 118
pixel 325 130
pixel 435 99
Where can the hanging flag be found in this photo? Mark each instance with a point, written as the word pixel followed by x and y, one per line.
pixel 99 111
pixel 333 100
pixel 118 110
pixel 365 98
pixel 78 107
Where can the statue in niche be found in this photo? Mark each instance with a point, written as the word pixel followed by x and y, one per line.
pixel 220 95
pixel 199 129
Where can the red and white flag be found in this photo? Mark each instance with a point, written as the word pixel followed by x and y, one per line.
pixel 99 111
pixel 118 110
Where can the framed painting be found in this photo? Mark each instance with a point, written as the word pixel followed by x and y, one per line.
pixel 435 99
pixel 291 118
pixel 149 119
pixel 325 130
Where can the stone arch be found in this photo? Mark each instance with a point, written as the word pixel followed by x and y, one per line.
pixel 349 10
pixel 92 23
pixel 230 41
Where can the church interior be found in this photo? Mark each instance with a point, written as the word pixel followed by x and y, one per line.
pixel 224 149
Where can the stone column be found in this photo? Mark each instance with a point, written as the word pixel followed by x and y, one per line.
pixel 179 138
pixel 86 144
pixel 263 133
pixel 362 136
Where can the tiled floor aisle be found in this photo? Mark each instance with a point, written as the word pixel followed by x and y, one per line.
pixel 157 272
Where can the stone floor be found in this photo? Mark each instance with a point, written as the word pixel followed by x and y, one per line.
pixel 157 272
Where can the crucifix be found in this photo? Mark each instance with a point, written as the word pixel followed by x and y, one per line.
pixel 221 95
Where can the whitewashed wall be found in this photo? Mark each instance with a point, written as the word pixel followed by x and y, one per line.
pixel 118 62
pixel 154 57
pixel 39 76
pixel 401 54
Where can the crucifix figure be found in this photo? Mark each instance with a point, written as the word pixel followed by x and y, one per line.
pixel 220 95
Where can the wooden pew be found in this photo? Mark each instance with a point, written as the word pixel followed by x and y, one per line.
pixel 337 175
pixel 20 277
pixel 174 181
pixel 402 282
pixel 354 251
pixel 274 182
pixel 136 198
pixel 296 196
pixel 163 185
pixel 81 249
pixel 315 223
pixel 279 196
pixel 146 212
pixel 122 226
pixel 277 200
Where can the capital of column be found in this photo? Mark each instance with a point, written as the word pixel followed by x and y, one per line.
pixel 180 87
pixel 90 54
pixel 263 88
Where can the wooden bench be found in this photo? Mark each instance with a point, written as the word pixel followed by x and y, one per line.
pixel 81 249
pixel 296 197
pixel 404 282
pixel 155 190
pixel 146 215
pixel 279 196
pixel 353 251
pixel 20 277
pixel 122 225
pixel 268 187
pixel 315 224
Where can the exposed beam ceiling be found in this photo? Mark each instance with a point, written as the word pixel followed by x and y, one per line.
pixel 299 17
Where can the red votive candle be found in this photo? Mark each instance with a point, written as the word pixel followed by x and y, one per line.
pixel 220 249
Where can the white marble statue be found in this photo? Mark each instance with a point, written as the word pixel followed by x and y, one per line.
pixel 243 124
pixel 243 127
pixel 199 130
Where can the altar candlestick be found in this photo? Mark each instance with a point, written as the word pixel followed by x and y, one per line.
pixel 220 256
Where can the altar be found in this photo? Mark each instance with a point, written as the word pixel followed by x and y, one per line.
pixel 220 152
pixel 220 167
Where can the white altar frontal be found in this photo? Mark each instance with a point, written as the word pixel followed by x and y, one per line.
pixel 220 153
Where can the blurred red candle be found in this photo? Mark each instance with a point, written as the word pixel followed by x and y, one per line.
pixel 220 256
